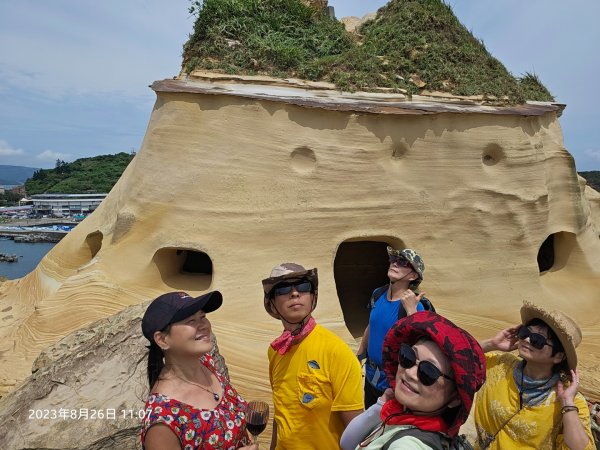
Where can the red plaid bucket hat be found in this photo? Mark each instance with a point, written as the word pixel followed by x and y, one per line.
pixel 462 350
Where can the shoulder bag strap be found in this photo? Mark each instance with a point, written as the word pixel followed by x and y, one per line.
pixel 429 438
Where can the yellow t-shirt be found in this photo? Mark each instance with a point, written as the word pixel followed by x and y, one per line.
pixel 534 427
pixel 311 382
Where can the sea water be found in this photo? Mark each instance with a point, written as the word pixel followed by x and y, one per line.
pixel 29 253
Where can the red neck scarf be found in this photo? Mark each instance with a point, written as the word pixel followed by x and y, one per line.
pixel 284 342
pixel 393 413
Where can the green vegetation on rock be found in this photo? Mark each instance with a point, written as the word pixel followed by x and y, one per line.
pixel 593 178
pixel 411 45
pixel 86 175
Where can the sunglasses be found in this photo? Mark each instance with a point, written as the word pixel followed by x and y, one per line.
pixel 427 372
pixel 301 286
pixel 399 260
pixel 535 339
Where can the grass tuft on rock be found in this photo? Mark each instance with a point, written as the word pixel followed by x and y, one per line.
pixel 411 45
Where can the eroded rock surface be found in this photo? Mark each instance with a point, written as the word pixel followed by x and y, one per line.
pixel 235 176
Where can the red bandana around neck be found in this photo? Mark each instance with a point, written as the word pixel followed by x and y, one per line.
pixel 393 413
pixel 284 342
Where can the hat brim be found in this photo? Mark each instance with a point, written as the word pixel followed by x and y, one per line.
pixel 208 303
pixel 529 311
pixel 393 252
pixel 311 274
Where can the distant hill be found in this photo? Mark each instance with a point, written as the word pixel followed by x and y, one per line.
pixel 15 174
pixel 593 178
pixel 86 175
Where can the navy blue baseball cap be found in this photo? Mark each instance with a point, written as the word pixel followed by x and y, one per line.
pixel 175 306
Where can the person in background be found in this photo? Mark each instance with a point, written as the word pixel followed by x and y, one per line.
pixel 388 304
pixel 315 377
pixel 434 369
pixel 191 405
pixel 531 401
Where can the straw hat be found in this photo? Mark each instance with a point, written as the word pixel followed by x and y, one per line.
pixel 564 327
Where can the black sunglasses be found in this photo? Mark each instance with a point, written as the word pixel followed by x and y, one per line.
pixel 536 340
pixel 427 372
pixel 301 286
pixel 402 262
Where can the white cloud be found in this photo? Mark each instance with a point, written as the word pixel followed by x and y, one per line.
pixel 64 48
pixel 49 155
pixel 7 150
pixel 593 154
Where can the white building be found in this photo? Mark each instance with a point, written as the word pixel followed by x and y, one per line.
pixel 63 205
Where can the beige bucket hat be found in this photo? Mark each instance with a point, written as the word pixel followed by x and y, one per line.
pixel 564 327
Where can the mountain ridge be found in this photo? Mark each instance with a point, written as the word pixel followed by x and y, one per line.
pixel 15 175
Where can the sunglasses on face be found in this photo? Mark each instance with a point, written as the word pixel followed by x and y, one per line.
pixel 427 372
pixel 301 286
pixel 399 260
pixel 536 340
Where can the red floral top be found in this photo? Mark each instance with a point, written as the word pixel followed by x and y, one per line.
pixel 221 428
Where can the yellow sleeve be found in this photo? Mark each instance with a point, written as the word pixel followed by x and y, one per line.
pixel 346 379
pixel 492 359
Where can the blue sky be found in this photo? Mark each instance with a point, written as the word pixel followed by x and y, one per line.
pixel 74 74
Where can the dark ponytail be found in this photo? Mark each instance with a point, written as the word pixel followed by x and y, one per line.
pixel 155 363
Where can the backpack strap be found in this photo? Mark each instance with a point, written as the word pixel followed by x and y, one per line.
pixel 424 301
pixel 430 438
pixel 401 311
pixel 376 294
pixel 427 304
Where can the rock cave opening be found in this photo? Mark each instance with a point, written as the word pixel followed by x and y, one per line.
pixel 196 262
pixel 545 257
pixel 556 250
pixel 94 242
pixel 184 268
pixel 492 155
pixel 359 267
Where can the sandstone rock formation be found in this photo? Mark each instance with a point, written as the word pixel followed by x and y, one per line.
pixel 317 4
pixel 353 23
pixel 234 177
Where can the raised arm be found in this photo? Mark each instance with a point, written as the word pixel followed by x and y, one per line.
pixel 574 432
pixel 410 300
pixel 505 341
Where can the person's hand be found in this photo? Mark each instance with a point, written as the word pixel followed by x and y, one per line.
pixel 566 394
pixel 388 394
pixel 506 340
pixel 410 300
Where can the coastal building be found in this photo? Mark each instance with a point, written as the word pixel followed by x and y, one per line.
pixel 62 205
pixel 20 190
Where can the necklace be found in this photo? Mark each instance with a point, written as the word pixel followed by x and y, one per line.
pixel 214 394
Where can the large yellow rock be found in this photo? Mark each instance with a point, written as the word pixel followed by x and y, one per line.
pixel 234 177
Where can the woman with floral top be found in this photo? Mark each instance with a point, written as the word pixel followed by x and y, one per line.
pixel 191 405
